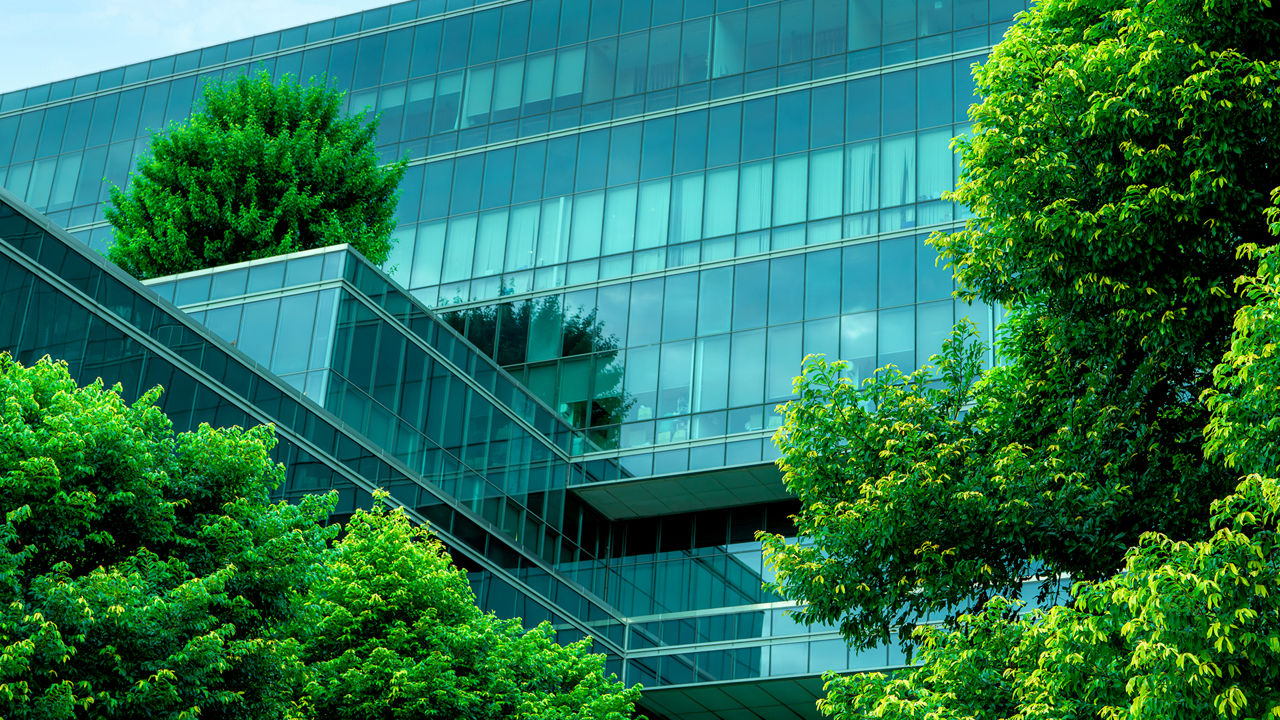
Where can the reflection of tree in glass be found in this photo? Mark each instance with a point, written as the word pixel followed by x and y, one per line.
pixel 528 338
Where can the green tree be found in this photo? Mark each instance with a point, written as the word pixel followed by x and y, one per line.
pixel 1118 163
pixel 143 573
pixel 394 632
pixel 1188 629
pixel 260 169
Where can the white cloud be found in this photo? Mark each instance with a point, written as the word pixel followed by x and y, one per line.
pixel 56 39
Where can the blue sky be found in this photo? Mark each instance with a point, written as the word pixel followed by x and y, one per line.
pixel 46 40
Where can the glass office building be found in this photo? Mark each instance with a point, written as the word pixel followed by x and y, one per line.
pixel 623 225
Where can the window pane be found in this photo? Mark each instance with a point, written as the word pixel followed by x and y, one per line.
pixel 544 330
pixel 562 156
pixel 529 170
pixel 537 83
pixel 569 67
pixel 822 284
pixel 257 328
pixel 822 337
pixel 646 312
pixel 721 207
pixel 73 135
pixel 642 382
pixel 826 126
pixel 633 51
pixel 863 174
pixel 664 57
pixel 858 344
pixel 90 176
pixel 897 272
pixel 491 240
pixel 651 222
pixel 553 234
pixel 522 234
pixel 468 171
pixel 899 103
pixel 862 109
pixel 611 315
pixel 722 135
pixel 728 45
pixel 369 54
pixel 695 50
pixel 750 288
pixel 675 379
pixel 793 122
pixel 515 30
pixel 934 94
pixel 935 160
pixel 506 90
pixel 484 36
pixel 791 177
pixel 899 21
pixel 858 278
pixel 498 179
pixel 592 147
pixel 746 380
pixel 679 309
pixel 691 141
pixel 898 173
pixel 448 102
pixel 293 333
pixel 897 338
pixel 686 208
pixel 755 194
pixel 784 361
pixel 715 301
pixel 623 161
pixel 453 49
pixel 479 95
pixel 711 374
pixel 588 216
pixel 620 220
pixel 64 182
pixel 826 183
pixel 655 152
pixel 786 301
pixel 427 252
pixel 757 128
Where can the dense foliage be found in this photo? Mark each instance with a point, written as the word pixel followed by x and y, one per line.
pixel 398 635
pixel 144 573
pixel 1118 167
pixel 260 169
pixel 1188 629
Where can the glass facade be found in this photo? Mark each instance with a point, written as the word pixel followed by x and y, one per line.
pixel 623 224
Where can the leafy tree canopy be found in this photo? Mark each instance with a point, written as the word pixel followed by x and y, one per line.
pixel 397 634
pixel 1117 167
pixel 1188 629
pixel 143 573
pixel 260 169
